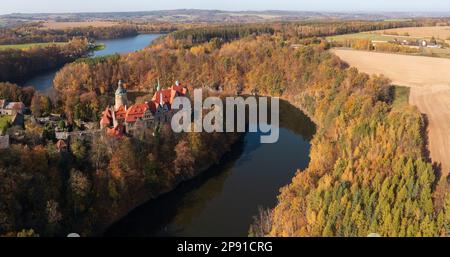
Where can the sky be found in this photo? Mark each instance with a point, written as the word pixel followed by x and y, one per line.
pixel 52 6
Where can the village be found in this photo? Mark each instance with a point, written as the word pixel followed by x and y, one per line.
pixel 117 121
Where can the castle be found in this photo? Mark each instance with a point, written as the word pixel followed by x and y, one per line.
pixel 122 119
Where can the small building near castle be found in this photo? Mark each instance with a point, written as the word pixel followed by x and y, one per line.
pixel 122 119
pixel 11 108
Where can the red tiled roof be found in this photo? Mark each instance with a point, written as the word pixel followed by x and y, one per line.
pixel 168 95
pixel 105 120
pixel 106 116
pixel 136 111
pixel 180 89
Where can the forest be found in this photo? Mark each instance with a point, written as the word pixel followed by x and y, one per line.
pixel 369 172
pixel 287 30
pixel 33 33
pixel 16 64
pixel 36 33
pixel 50 193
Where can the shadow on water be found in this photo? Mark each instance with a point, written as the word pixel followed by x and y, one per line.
pixel 161 211
pixel 223 200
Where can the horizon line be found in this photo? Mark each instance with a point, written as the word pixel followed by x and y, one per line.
pixel 231 11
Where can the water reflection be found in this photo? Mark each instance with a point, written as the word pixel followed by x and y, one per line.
pixel 223 200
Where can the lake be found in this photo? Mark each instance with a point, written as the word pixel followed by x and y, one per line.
pixel 223 200
pixel 44 82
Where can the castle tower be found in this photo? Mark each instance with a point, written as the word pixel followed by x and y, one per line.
pixel 121 96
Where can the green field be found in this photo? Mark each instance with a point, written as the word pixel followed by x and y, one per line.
pixel 99 47
pixel 401 95
pixel 26 46
pixel 365 35
pixel 5 122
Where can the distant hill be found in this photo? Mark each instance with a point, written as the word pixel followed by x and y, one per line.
pixel 211 16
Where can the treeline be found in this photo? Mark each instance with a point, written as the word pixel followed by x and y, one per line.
pixel 17 64
pixel 35 34
pixel 225 33
pixel 290 30
pixel 324 29
pixel 149 28
pixel 13 93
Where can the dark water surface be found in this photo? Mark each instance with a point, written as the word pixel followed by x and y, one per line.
pixel 44 82
pixel 223 200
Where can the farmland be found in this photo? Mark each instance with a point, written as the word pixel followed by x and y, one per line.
pixel 442 32
pixel 429 81
pixel 410 34
pixel 362 36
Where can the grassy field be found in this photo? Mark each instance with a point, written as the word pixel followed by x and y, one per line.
pixel 429 82
pixel 4 123
pixel 26 46
pixel 99 47
pixel 401 95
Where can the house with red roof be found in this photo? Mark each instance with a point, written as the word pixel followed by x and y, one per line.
pixel 122 119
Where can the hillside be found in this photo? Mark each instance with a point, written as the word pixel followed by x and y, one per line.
pixel 213 16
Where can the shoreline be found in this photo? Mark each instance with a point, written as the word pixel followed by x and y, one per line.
pixel 144 198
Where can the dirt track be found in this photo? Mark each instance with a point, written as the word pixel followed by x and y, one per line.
pixel 429 80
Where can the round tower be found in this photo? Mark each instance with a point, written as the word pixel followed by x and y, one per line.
pixel 121 96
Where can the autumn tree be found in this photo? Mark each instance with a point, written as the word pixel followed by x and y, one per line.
pixel 184 161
